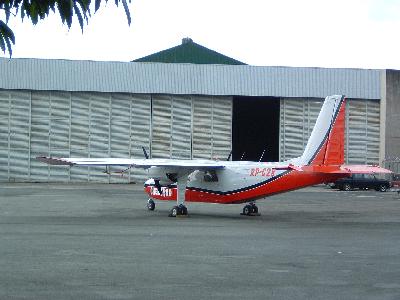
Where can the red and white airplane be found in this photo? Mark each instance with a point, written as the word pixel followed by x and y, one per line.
pixel 214 181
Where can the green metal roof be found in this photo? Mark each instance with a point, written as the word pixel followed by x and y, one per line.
pixel 189 52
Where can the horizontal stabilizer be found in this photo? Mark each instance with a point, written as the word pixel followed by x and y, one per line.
pixel 364 169
pixel 347 169
pixel 289 167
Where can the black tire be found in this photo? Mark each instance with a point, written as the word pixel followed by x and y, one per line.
pixel 247 210
pixel 174 211
pixel 183 210
pixel 383 188
pixel 255 209
pixel 151 205
pixel 346 187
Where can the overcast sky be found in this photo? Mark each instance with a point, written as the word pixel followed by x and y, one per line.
pixel 311 33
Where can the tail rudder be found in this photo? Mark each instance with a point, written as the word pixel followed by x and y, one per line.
pixel 326 143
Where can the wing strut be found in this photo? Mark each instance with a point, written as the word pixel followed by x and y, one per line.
pixel 180 208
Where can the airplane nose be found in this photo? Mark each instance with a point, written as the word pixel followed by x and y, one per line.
pixel 149 182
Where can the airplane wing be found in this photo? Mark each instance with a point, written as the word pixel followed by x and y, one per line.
pixel 196 164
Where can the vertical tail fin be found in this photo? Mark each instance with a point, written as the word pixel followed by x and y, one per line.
pixel 326 143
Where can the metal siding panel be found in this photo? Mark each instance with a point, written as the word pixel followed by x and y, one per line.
pixel 59 134
pixel 161 127
pixel 293 128
pixel 4 134
pixel 222 127
pixel 357 122
pixel 373 137
pixel 120 125
pixel 298 117
pixel 363 131
pixel 49 134
pixel 19 122
pixel 159 78
pixel 40 131
pixel 130 130
pixel 181 144
pixel 99 133
pixel 80 128
pixel 62 124
pixel 140 131
pixel 202 127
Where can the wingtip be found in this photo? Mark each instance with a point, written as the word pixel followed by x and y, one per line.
pixel 53 161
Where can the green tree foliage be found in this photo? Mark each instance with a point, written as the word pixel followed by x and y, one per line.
pixel 37 10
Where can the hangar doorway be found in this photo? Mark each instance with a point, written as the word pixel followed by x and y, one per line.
pixel 255 128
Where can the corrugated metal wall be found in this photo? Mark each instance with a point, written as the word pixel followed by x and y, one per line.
pixel 212 136
pixel 362 145
pixel 189 127
pixel 77 124
pixel 187 79
pixel 299 115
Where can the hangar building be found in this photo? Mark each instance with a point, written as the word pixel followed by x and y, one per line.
pixel 200 104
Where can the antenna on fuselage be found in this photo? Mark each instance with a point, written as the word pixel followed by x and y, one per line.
pixel 229 157
pixel 243 155
pixel 261 155
pixel 145 153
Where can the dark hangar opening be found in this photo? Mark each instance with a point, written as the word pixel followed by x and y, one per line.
pixel 255 128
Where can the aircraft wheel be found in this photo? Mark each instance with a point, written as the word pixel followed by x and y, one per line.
pixel 180 210
pixel 347 187
pixel 183 210
pixel 255 209
pixel 174 211
pixel 247 210
pixel 150 204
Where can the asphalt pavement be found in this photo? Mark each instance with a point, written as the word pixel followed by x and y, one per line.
pixel 94 241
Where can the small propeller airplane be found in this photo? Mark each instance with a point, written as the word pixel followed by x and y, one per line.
pixel 228 182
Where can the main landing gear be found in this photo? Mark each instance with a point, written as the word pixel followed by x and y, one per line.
pixel 250 210
pixel 179 210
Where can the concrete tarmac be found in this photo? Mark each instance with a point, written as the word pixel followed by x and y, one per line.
pixel 93 241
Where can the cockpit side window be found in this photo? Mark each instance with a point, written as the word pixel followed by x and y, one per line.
pixel 210 176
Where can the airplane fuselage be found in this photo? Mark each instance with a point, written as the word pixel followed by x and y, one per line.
pixel 239 182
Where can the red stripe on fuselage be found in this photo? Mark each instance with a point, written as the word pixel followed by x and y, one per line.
pixel 290 181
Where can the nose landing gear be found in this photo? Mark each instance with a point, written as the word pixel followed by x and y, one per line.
pixel 151 205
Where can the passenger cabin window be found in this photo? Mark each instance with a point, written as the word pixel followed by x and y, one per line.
pixel 210 176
